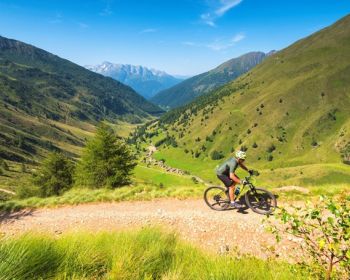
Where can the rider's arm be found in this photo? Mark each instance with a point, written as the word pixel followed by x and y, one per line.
pixel 234 178
pixel 243 166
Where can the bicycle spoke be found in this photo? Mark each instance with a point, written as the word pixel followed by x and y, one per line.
pixel 215 198
pixel 261 201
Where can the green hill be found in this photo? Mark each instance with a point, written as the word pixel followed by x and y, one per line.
pixel 291 112
pixel 189 89
pixel 48 103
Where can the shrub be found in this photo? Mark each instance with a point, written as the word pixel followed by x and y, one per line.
pixel 270 157
pixel 255 145
pixel 4 165
pixel 271 148
pixel 23 168
pixel 215 155
pixel 54 176
pixel 244 148
pixel 345 153
pixel 106 161
pixel 324 228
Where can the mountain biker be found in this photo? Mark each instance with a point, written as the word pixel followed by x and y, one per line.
pixel 226 173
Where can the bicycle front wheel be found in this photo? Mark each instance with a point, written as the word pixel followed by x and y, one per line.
pixel 216 198
pixel 260 201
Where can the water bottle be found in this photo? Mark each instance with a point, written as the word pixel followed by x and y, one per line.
pixel 237 190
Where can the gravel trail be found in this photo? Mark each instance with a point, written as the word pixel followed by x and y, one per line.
pixel 191 219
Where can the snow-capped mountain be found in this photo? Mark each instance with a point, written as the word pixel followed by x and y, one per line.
pixel 144 80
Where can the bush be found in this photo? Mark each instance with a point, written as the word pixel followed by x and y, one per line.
pixel 26 191
pixel 215 155
pixel 255 145
pixel 244 148
pixel 23 168
pixel 106 161
pixel 4 165
pixel 55 175
pixel 271 148
pixel 324 228
pixel 345 153
pixel 269 158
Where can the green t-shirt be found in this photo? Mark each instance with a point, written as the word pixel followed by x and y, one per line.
pixel 229 166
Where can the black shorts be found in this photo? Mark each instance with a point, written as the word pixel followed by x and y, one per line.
pixel 226 180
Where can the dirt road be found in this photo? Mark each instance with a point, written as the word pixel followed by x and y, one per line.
pixel 191 219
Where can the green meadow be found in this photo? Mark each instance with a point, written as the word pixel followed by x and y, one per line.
pixel 146 254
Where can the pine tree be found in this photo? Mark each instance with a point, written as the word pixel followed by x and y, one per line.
pixel 106 161
pixel 55 175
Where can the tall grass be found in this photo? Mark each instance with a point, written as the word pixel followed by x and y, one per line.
pixel 147 254
pixel 83 195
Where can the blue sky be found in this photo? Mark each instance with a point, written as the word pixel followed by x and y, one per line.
pixel 184 37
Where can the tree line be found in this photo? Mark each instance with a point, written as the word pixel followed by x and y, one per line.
pixel 106 161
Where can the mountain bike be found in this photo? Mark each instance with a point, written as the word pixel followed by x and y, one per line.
pixel 259 200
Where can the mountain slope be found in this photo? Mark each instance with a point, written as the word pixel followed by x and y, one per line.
pixel 188 90
pixel 145 81
pixel 291 110
pixel 41 93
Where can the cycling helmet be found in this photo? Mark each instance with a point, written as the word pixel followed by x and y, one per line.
pixel 241 155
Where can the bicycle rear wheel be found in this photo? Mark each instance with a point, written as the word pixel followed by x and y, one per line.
pixel 260 201
pixel 216 198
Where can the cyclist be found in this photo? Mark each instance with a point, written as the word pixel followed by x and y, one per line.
pixel 226 173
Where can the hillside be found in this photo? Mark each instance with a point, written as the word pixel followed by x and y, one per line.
pixel 143 80
pixel 291 112
pixel 49 103
pixel 189 89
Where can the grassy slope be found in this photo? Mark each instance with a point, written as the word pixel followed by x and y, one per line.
pixel 146 254
pixel 48 103
pixel 189 89
pixel 297 100
pixel 148 183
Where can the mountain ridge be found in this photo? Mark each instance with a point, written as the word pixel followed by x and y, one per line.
pixel 198 85
pixel 144 80
pixel 290 111
pixel 44 98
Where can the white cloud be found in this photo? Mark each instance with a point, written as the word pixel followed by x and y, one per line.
pixel 219 10
pixel 226 5
pixel 149 30
pixel 207 19
pixel 218 44
pixel 107 10
pixel 238 37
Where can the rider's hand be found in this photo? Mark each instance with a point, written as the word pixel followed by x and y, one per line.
pixel 253 172
pixel 244 182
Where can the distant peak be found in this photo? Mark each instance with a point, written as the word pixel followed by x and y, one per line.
pixel 132 69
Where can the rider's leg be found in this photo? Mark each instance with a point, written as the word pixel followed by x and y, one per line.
pixel 231 191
